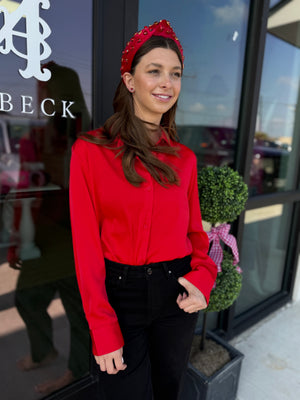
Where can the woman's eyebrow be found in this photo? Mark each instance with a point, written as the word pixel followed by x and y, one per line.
pixel 154 65
pixel 160 66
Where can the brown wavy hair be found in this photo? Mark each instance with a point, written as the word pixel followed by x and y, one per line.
pixel 134 132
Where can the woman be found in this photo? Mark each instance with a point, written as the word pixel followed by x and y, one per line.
pixel 140 249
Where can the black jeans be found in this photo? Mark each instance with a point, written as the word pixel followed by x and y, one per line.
pixel 32 304
pixel 157 333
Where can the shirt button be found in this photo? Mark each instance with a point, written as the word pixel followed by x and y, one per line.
pixel 149 271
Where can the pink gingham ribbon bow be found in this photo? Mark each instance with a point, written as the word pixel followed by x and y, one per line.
pixel 216 251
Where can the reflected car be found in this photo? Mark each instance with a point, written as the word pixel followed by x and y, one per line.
pixel 212 145
pixel 269 167
pixel 215 146
pixel 18 159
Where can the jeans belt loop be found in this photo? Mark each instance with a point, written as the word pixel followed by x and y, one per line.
pixel 167 270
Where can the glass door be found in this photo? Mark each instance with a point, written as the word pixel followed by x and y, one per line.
pixel 274 173
pixel 45 101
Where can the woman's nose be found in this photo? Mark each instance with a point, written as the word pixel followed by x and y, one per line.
pixel 165 81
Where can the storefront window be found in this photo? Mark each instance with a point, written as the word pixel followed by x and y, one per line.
pixel 45 101
pixel 276 142
pixel 274 3
pixel 263 253
pixel 213 36
pixel 267 232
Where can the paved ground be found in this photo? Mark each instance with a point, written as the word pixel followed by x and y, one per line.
pixel 15 384
pixel 271 367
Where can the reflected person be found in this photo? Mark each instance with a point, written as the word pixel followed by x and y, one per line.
pixel 49 270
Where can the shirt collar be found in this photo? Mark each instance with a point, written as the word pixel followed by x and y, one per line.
pixel 119 141
pixel 164 138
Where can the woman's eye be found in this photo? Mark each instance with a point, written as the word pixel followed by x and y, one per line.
pixel 154 71
pixel 177 75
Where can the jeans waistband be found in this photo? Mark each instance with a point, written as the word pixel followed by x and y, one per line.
pixel 137 270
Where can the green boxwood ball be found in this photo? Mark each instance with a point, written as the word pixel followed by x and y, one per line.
pixel 228 285
pixel 222 194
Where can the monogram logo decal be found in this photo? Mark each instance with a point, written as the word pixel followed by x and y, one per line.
pixel 37 30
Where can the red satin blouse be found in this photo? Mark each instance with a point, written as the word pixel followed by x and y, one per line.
pixel 131 225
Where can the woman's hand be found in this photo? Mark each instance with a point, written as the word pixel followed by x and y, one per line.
pixel 112 362
pixel 195 299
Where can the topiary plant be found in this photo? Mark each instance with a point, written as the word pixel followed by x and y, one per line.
pixel 222 193
pixel 223 196
pixel 228 285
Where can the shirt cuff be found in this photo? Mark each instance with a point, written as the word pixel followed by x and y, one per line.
pixel 106 339
pixel 203 280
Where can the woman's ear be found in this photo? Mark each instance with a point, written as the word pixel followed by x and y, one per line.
pixel 128 80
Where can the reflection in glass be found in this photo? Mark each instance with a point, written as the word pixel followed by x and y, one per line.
pixel 213 41
pixel 263 253
pixel 44 327
pixel 274 3
pixel 276 142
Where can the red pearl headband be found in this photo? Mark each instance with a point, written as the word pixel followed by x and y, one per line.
pixel 161 28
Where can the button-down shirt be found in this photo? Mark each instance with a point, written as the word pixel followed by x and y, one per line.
pixel 113 219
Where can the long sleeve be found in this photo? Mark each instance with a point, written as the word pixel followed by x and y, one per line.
pixel 204 270
pixel 89 260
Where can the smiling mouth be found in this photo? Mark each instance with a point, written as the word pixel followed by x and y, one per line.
pixel 163 97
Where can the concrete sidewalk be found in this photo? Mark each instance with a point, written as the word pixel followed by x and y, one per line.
pixel 271 367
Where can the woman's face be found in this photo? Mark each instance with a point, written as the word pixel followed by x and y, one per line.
pixel 155 84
